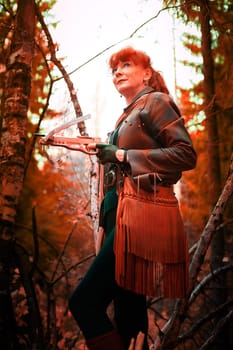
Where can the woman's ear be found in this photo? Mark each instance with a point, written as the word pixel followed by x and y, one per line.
pixel 147 74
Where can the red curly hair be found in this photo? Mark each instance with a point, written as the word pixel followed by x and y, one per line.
pixel 139 58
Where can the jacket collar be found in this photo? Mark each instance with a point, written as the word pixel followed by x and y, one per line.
pixel 126 110
pixel 145 91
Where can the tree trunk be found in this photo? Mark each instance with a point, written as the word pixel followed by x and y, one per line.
pixel 13 141
pixel 15 107
pixel 211 109
pixel 214 176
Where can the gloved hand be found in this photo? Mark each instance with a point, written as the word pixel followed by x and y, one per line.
pixel 108 153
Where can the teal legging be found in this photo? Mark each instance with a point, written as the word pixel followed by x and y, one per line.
pixel 89 301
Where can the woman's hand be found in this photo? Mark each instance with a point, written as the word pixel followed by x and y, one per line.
pixel 108 153
pixel 139 342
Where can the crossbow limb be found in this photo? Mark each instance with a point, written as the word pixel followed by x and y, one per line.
pixel 78 143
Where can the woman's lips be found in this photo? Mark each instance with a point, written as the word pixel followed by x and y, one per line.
pixel 121 81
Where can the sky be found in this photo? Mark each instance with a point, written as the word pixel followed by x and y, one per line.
pixel 88 27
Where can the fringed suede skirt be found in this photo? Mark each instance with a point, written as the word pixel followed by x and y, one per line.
pixel 150 242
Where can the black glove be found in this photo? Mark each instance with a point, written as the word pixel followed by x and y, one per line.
pixel 107 153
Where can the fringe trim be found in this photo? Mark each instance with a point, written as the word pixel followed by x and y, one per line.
pixel 152 279
pixel 150 243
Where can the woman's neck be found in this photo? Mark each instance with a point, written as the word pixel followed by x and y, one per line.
pixel 146 90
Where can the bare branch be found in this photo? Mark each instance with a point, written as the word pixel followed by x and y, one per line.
pixel 63 250
pixel 211 227
pixel 73 95
pixel 219 310
pixel 73 267
pixel 121 40
pixel 219 327
pixel 207 279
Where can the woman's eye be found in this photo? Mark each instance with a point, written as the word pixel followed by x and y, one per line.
pixel 121 66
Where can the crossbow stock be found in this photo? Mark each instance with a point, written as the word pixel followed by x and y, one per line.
pixel 78 143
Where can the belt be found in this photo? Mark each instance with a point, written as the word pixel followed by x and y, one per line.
pixel 164 184
pixel 110 180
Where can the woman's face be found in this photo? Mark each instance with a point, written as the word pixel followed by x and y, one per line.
pixel 129 79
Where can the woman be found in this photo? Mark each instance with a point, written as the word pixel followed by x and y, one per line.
pixel 145 249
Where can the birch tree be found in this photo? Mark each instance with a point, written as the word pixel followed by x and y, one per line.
pixel 13 143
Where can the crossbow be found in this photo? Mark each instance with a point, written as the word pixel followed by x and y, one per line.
pixel 78 143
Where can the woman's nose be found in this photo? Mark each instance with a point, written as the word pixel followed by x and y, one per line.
pixel 117 71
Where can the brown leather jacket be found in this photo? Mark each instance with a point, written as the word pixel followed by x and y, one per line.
pixel 158 144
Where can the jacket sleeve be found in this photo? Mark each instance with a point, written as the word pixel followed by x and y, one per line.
pixel 175 152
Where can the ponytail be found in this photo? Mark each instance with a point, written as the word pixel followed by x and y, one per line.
pixel 157 82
